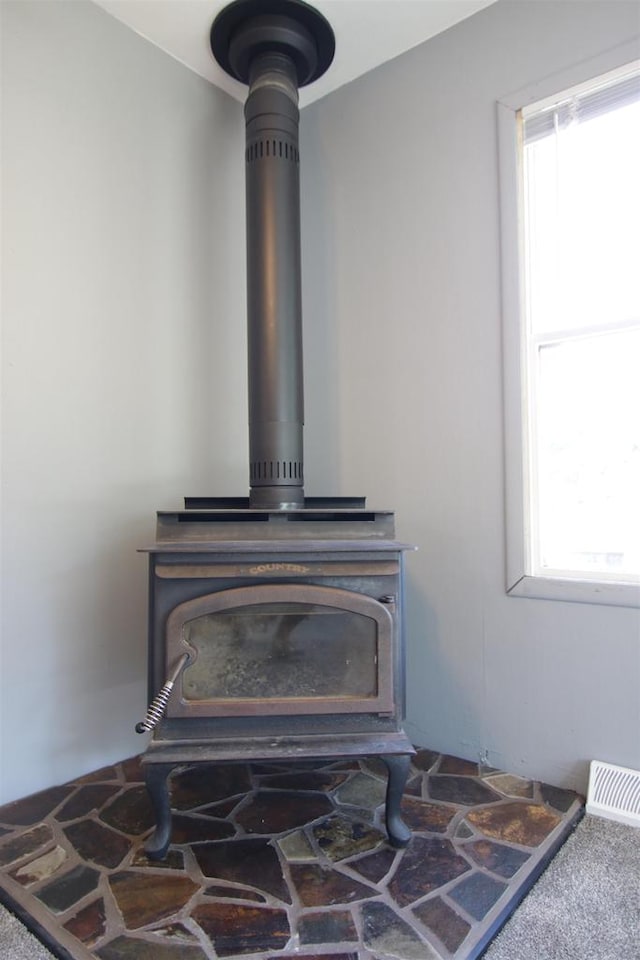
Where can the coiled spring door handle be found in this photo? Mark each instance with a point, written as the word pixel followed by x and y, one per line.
pixel 158 705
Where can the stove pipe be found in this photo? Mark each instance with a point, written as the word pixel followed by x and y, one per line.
pixel 274 46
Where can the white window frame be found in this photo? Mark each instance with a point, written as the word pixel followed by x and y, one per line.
pixel 519 581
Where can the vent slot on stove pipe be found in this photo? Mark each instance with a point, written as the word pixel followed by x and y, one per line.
pixel 275 46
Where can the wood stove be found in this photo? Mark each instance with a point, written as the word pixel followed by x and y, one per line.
pixel 275 620
pixel 285 631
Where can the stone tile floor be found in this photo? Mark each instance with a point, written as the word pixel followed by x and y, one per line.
pixel 270 861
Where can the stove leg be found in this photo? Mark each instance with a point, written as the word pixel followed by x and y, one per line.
pixel 398 767
pixel 156 776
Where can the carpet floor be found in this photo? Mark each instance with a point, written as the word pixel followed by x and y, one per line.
pixel 271 861
pixel 585 905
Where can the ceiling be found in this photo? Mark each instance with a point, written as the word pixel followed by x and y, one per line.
pixel 368 33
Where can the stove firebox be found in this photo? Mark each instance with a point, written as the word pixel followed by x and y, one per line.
pixel 275 620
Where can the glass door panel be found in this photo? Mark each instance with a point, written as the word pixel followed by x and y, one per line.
pixel 281 651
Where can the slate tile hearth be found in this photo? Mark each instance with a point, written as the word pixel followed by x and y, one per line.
pixel 276 861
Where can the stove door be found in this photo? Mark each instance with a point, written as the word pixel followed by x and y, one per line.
pixel 276 649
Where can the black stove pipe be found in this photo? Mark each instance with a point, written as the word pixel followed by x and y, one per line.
pixel 275 46
pixel 274 298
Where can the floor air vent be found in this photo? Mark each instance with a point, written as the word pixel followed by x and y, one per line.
pixel 614 793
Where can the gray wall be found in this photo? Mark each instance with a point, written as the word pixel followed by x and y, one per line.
pixel 401 246
pixel 123 340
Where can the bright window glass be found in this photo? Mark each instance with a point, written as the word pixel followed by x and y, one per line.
pixel 581 245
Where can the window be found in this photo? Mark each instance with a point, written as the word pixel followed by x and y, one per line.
pixel 571 277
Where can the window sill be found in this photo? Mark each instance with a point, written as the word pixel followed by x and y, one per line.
pixel 577 591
